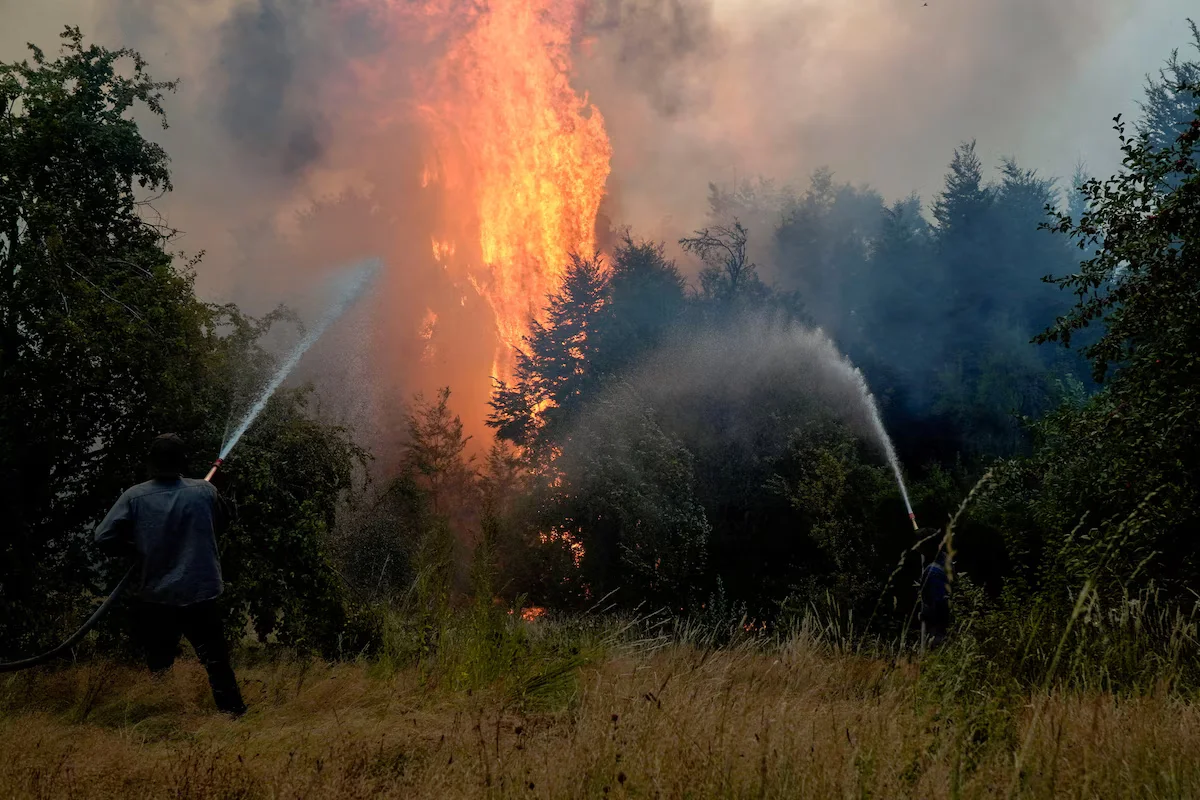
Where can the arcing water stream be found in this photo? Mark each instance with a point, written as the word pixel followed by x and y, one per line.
pixel 872 408
pixel 885 440
pixel 349 288
pixel 760 362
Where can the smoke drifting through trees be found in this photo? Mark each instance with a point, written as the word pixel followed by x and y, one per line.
pixel 276 117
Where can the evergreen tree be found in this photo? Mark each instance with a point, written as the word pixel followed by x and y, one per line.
pixel 963 236
pixel 1023 252
pixel 555 370
pixel 646 299
pixel 1171 102
pixel 434 454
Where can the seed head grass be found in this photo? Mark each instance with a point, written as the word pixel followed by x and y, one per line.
pixel 629 715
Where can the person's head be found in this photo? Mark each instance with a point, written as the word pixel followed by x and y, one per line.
pixel 168 456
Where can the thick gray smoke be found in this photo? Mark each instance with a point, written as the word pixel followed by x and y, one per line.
pixel 270 65
pixel 290 160
pixel 878 90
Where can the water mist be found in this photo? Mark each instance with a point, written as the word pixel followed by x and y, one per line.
pixel 796 370
pixel 348 288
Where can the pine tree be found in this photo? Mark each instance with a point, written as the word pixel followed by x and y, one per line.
pixel 1171 102
pixel 554 370
pixel 434 453
pixel 963 204
pixel 964 244
pixel 646 298
pixel 1023 253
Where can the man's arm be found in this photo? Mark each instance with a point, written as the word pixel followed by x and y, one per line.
pixel 224 512
pixel 114 534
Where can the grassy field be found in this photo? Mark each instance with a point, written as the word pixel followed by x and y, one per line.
pixel 666 719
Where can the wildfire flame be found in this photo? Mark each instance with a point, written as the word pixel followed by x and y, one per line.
pixel 442 250
pixel 521 159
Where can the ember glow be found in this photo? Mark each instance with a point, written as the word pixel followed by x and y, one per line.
pixel 532 613
pixel 564 539
pixel 517 156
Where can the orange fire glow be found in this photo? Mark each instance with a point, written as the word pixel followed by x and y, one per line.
pixel 564 539
pixel 428 323
pixel 519 157
pixel 532 613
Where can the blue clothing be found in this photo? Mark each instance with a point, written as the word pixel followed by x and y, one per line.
pixel 935 600
pixel 936 586
pixel 171 524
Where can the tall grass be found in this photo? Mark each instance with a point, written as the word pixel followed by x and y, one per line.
pixel 1090 695
pixel 645 715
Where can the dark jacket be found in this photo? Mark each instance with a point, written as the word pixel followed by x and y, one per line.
pixel 171 526
pixel 935 594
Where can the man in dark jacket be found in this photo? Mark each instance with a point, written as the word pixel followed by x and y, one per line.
pixel 935 601
pixel 169 525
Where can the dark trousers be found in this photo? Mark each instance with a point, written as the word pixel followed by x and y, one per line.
pixel 159 629
pixel 935 621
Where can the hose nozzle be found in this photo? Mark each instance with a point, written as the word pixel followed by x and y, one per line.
pixel 217 465
pixel 911 515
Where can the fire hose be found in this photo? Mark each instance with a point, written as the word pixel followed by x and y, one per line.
pixel 97 615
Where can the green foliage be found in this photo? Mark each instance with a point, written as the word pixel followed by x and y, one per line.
pixel 96 323
pixel 103 345
pixel 1133 445
pixel 646 300
pixel 626 494
pixel 375 541
pixel 288 479
pixel 835 497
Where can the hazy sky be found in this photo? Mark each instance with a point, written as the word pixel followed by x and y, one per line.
pixel 1073 121
pixel 1078 122
pixel 806 57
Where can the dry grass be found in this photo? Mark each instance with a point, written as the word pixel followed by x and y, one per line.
pixel 794 721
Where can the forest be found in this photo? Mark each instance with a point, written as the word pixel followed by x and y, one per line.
pixel 678 465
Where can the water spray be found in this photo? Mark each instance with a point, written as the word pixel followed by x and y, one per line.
pixel 893 460
pixel 881 432
pixel 350 287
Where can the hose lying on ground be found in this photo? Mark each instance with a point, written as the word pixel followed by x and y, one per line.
pixel 26 663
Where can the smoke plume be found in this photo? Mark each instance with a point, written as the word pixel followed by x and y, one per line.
pixel 296 145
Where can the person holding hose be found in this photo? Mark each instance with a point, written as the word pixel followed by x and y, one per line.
pixel 169 524
pixel 935 600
